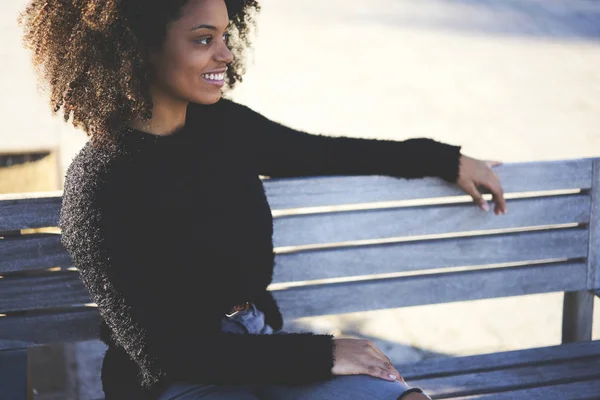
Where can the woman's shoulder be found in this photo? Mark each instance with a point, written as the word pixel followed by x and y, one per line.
pixel 93 170
pixel 92 191
pixel 95 162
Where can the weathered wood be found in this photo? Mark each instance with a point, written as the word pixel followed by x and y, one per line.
pixel 578 316
pixel 461 376
pixel 445 366
pixel 427 220
pixel 345 297
pixel 29 210
pixel 42 328
pixel 516 177
pixel 63 289
pixel 594 242
pixel 13 374
pixel 511 378
pixel 50 290
pixel 587 390
pixel 408 256
pixel 32 252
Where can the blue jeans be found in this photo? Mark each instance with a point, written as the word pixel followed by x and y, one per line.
pixel 342 387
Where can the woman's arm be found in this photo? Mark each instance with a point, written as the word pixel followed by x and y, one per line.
pixel 112 261
pixel 281 151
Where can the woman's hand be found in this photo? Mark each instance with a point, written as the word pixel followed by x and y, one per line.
pixel 360 356
pixel 473 173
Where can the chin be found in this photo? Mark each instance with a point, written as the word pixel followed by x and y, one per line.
pixel 206 98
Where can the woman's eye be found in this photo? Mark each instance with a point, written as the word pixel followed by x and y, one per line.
pixel 205 40
pixel 226 36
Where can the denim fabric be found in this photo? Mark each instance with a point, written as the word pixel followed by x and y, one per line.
pixel 356 387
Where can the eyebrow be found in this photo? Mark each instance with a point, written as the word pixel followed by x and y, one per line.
pixel 214 28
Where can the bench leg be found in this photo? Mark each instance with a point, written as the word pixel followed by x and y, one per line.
pixel 578 308
pixel 15 382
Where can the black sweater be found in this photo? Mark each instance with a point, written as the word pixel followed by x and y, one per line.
pixel 169 232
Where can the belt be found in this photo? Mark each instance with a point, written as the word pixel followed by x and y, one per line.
pixel 237 308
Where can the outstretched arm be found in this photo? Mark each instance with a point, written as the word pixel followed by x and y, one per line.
pixel 281 151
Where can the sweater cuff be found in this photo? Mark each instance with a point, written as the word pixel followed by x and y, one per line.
pixel 443 160
pixel 319 359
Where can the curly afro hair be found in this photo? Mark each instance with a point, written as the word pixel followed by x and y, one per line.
pixel 93 55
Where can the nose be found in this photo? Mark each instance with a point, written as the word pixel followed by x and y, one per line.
pixel 224 55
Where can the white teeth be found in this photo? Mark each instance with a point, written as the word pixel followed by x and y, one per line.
pixel 214 77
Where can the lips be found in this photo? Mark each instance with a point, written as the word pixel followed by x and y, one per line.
pixel 216 77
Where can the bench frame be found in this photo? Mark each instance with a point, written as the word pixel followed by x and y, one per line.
pixel 22 212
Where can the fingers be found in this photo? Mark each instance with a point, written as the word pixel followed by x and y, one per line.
pixel 379 372
pixel 496 189
pixel 494 186
pixel 492 183
pixel 384 361
pixel 471 189
pixel 387 363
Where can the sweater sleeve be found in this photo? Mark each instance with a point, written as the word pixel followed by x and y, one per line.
pixel 281 151
pixel 96 232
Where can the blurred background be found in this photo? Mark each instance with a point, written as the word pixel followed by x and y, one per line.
pixel 510 80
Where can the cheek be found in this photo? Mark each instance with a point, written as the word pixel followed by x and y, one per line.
pixel 183 70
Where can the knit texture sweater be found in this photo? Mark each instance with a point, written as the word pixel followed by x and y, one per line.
pixel 169 232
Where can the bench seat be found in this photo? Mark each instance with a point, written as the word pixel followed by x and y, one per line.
pixel 569 371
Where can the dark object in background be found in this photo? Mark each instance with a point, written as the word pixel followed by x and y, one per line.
pixel 29 172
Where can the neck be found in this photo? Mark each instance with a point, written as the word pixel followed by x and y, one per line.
pixel 168 115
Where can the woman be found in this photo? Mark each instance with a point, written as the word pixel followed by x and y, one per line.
pixel 169 184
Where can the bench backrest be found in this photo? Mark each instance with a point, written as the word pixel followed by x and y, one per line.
pixel 346 244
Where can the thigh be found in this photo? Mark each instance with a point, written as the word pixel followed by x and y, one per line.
pixel 189 391
pixel 340 387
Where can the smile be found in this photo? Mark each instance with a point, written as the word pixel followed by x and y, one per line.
pixel 214 78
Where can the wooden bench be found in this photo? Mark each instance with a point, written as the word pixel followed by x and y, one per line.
pixel 427 244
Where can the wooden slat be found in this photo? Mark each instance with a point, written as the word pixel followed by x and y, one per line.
pixel 586 390
pixel 444 366
pixel 345 297
pixel 427 220
pixel 412 256
pixel 58 289
pixel 23 212
pixel 578 316
pixel 65 289
pixel 334 190
pixel 13 374
pixel 32 252
pixel 511 378
pixel 36 329
pixel 594 242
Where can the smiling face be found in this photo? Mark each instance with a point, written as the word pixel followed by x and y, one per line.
pixel 191 64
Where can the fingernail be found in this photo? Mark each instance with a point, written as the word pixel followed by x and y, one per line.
pixel 485 206
pixel 392 376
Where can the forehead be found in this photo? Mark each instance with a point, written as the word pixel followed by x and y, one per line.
pixel 197 12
